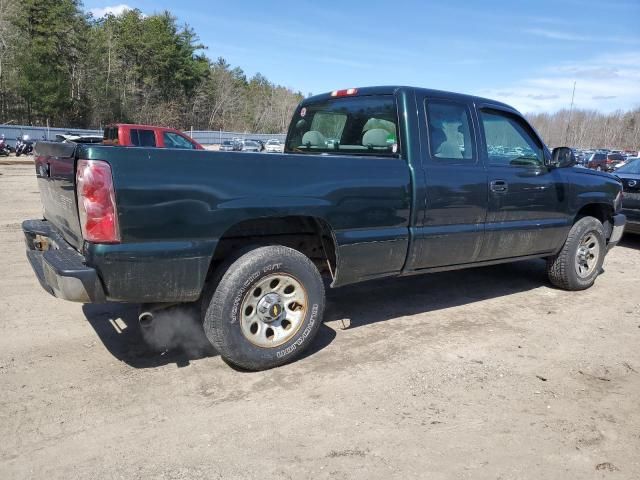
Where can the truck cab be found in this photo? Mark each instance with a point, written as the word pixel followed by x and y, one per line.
pixel 483 186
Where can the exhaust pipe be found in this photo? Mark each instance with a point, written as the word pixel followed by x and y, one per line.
pixel 145 319
pixel 148 310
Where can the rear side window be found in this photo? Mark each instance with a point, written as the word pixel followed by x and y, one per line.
pixel 450 137
pixel 366 125
pixel 173 140
pixel 111 135
pixel 143 138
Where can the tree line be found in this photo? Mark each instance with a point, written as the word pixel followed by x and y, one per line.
pixel 589 128
pixel 61 66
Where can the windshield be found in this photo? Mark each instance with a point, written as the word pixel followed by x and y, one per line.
pixel 632 167
pixel 365 125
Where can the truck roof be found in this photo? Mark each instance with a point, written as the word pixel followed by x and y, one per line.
pixel 139 125
pixel 392 89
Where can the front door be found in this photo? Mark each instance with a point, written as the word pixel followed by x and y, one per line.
pixel 451 230
pixel 527 199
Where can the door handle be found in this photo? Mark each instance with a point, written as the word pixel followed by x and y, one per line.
pixel 498 186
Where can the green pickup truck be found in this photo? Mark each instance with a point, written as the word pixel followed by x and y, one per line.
pixel 373 182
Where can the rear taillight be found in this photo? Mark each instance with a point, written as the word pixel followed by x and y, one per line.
pixel 97 202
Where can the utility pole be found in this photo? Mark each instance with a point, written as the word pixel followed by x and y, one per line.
pixel 566 133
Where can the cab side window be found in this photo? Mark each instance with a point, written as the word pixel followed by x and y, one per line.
pixel 173 140
pixel 450 134
pixel 510 141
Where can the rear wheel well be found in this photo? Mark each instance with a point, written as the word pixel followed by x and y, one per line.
pixel 601 211
pixel 310 236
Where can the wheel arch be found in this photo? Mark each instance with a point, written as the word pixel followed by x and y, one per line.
pixel 602 211
pixel 310 235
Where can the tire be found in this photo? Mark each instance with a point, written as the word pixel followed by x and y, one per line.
pixel 242 320
pixel 17 153
pixel 568 269
pixel 599 168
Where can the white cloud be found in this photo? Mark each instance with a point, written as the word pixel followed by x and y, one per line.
pixel 555 35
pixel 572 37
pixel 606 83
pixel 110 10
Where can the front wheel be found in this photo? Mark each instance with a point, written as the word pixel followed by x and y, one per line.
pixel 579 262
pixel 266 308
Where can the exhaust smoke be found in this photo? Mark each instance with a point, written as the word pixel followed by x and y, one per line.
pixel 174 327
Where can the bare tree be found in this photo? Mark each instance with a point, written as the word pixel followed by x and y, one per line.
pixel 590 129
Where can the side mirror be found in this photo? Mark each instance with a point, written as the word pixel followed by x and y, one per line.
pixel 562 157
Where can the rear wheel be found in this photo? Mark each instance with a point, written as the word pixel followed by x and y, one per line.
pixel 599 168
pixel 580 260
pixel 266 308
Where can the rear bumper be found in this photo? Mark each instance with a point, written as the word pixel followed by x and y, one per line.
pixel 146 272
pixel 619 222
pixel 60 269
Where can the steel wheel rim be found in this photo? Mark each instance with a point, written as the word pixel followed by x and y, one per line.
pixel 587 255
pixel 273 310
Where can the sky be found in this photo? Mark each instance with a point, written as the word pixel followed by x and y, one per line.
pixel 525 53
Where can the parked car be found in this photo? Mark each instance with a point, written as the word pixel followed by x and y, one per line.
pixel 629 174
pixel 273 146
pixel 130 135
pixel 251 146
pixel 227 146
pixel 77 138
pixel 238 144
pixel 605 162
pixel 419 181
pixel 259 142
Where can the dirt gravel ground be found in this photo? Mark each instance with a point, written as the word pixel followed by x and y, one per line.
pixel 487 373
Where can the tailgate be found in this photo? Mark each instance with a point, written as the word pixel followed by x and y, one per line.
pixel 56 171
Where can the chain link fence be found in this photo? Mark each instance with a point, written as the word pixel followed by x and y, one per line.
pixel 204 137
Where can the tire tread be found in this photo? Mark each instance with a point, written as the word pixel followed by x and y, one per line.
pixel 559 265
pixel 225 289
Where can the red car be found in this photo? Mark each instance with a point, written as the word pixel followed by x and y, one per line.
pixel 604 161
pixel 131 135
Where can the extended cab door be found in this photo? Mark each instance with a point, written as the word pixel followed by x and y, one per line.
pixel 527 199
pixel 451 230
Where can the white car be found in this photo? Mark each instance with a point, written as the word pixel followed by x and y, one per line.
pixel 273 146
